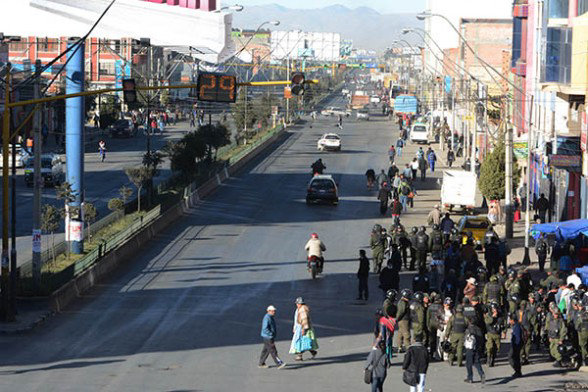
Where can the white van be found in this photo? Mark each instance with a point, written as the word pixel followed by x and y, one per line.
pixel 419 133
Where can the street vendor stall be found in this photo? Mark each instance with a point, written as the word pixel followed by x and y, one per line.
pixel 572 232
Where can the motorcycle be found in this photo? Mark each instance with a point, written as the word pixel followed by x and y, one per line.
pixel 315 266
pixel 570 357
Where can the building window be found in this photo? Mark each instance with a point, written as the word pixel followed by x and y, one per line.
pixel 19 46
pixel 517 38
pixel 47 44
pixel 106 68
pixel 558 56
pixel 557 8
pixel 582 7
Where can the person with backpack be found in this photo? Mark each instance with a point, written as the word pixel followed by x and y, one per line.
pixel 404 191
pixel 432 158
pixel 376 366
pixel 472 344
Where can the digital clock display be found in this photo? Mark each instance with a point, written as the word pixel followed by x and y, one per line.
pixel 213 87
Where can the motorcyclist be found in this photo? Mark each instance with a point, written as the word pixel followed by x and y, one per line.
pixel 318 167
pixel 315 248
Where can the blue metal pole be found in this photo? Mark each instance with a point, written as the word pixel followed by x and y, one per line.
pixel 74 144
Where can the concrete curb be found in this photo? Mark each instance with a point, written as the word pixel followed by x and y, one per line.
pixel 74 289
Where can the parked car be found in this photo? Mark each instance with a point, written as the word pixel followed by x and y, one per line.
pixel 123 128
pixel 329 141
pixel 478 225
pixel 334 111
pixel 322 188
pixel 21 156
pixel 363 114
pixel 419 133
pixel 52 170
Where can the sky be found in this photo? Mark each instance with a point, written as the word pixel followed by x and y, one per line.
pixel 382 6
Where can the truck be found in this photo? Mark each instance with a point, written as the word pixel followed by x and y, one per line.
pixel 359 101
pixel 459 190
pixel 406 104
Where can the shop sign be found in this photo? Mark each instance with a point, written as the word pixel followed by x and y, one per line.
pixel 520 149
pixel 565 160
pixel 584 132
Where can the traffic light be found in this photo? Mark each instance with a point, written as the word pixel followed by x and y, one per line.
pixel 297 86
pixel 129 92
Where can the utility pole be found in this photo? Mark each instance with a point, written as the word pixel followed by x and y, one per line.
pixel 4 282
pixel 508 190
pixel 526 258
pixel 287 99
pixel 37 184
pixel 474 132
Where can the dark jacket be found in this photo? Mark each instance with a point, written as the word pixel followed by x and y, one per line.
pixel 396 207
pixel 416 359
pixel 379 361
pixel 388 279
pixel 364 267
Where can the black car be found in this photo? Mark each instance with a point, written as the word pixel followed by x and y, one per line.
pixel 322 188
pixel 123 128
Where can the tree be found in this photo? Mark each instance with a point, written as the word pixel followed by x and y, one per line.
pixel 242 112
pixel 139 176
pixel 184 153
pixel 89 215
pixel 50 218
pixel 164 98
pixel 492 174
pixel 263 109
pixel 214 137
pixel 116 205
pixel 65 193
pixel 125 193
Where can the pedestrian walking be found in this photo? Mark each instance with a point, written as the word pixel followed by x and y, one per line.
pixel 396 208
pixel 414 166
pixel 371 178
pixel 382 178
pixel 377 365
pixel 384 196
pixel 392 154
pixel 432 158
pixel 516 344
pixel 268 333
pixel 450 157
pixel 362 275
pixel 399 146
pixel 416 364
pixel 407 172
pixel 423 168
pixel 434 217
pixel 472 346
pixel 303 338
pixel 541 207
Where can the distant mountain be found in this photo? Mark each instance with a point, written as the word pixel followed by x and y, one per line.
pixel 366 27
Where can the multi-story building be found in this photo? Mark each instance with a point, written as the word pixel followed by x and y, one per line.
pixel 549 67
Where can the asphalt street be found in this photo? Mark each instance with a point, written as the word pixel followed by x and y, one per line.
pixel 102 181
pixel 186 314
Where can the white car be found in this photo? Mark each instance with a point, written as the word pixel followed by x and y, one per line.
pixel 375 99
pixel 363 114
pixel 419 133
pixel 334 111
pixel 329 141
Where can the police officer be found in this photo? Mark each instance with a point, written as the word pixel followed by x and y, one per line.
pixel 400 238
pixel 481 280
pixel 456 327
pixel 494 325
pixel 541 249
pixel 433 316
pixel 513 286
pixel 403 320
pixel 436 243
pixel 455 236
pixel 389 305
pixel 530 323
pixel 412 237
pixel 556 332
pixel 417 317
pixel 422 247
pixel 582 328
pixel 491 255
pixel 493 292
pixel 377 243
pixel 421 281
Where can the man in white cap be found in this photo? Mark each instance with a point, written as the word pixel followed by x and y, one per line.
pixel 434 217
pixel 268 333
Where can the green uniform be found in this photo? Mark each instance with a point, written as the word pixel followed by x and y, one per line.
pixel 493 332
pixel 551 280
pixel 377 245
pixel 388 307
pixel 582 328
pixel 556 331
pixel 530 322
pixel 513 287
pixel 417 318
pixel 400 238
pixel 493 292
pixel 456 327
pixel 403 320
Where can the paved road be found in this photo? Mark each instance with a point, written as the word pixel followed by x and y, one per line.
pixel 102 181
pixel 185 315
